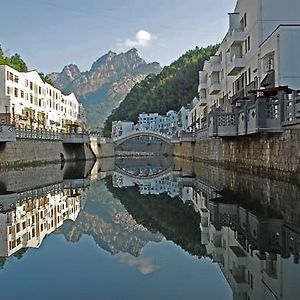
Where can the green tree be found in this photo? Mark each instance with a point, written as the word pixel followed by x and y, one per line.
pixel 18 63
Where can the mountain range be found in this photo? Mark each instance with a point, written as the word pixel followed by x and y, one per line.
pixel 102 88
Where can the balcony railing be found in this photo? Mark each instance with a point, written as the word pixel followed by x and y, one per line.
pixel 9 133
pixel 236 37
pixel 236 64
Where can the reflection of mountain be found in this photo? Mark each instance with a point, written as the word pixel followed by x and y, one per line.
pixel 171 217
pixel 106 220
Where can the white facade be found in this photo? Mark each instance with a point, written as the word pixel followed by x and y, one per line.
pixel 182 116
pixel 167 124
pixel 27 101
pixel 30 222
pixel 260 50
pixel 121 128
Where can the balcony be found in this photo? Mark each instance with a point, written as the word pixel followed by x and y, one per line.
pixel 236 37
pixel 203 100
pixel 202 81
pixel 214 87
pixel 202 86
pixel 236 65
pixel 214 65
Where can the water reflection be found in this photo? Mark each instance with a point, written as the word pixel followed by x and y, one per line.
pixel 256 248
pixel 165 219
pixel 31 212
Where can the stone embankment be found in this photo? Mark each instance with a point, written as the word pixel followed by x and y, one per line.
pixel 263 153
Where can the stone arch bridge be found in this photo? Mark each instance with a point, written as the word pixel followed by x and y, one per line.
pixel 164 138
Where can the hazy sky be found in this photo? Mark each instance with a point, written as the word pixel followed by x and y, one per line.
pixel 52 33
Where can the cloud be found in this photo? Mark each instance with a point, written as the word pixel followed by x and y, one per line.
pixel 141 39
pixel 145 265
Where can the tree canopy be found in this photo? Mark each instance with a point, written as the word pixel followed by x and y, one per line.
pixel 15 61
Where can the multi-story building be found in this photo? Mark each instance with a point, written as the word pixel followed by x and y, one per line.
pixel 27 101
pixel 259 51
pixel 194 116
pixel 121 128
pixel 30 222
pixel 182 117
pixel 167 124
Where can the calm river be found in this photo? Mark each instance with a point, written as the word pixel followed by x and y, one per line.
pixel 145 229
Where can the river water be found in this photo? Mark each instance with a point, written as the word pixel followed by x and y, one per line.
pixel 151 228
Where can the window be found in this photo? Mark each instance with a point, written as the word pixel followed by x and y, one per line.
pixel 249 75
pixel 268 62
pixel 26 82
pixel 7 75
pixel 245 20
pixel 7 90
pixel 40 90
pixel 22 94
pixel 33 232
pixel 31 85
pixel 16 92
pixel 18 227
pixel 248 42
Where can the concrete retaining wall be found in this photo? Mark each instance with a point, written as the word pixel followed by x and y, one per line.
pixel 32 152
pixel 264 153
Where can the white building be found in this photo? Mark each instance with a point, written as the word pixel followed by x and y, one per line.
pixel 30 222
pixel 194 116
pixel 260 50
pixel 182 117
pixel 167 124
pixel 27 101
pixel 121 128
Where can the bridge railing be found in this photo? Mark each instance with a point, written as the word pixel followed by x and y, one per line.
pixel 141 132
pixel 10 133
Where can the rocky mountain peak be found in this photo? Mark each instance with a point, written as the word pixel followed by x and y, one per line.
pixel 105 85
pixel 71 71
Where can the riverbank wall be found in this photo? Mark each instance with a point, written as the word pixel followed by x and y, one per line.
pixel 24 152
pixel 262 153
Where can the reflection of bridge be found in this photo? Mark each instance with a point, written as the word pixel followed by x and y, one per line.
pixel 120 140
pixel 146 177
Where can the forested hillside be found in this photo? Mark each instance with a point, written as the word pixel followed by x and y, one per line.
pixel 175 86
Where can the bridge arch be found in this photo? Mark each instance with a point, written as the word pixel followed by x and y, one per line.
pixel 119 141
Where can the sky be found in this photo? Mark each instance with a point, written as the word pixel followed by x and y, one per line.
pixel 50 34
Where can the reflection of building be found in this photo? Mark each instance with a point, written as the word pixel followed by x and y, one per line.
pixel 28 101
pixel 160 184
pixel 29 222
pixel 258 255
